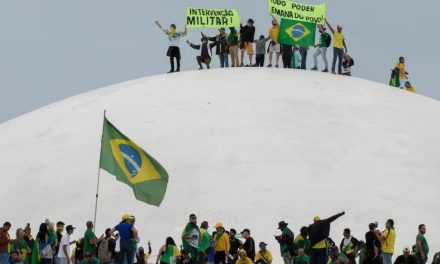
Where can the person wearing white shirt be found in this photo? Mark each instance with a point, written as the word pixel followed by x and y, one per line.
pixel 64 251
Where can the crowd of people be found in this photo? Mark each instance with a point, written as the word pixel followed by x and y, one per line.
pixel 121 244
pixel 235 45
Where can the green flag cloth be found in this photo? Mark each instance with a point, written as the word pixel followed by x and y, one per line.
pixel 297 33
pixel 132 165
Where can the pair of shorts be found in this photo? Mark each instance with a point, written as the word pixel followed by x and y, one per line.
pixel 173 52
pixel 248 47
pixel 275 47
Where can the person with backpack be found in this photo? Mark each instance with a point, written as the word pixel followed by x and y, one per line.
pixel 233 46
pixel 263 256
pixel 347 64
pixel 204 53
pixel 106 248
pixel 318 233
pixel 349 246
pixel 324 42
pixel 388 239
pixel 338 47
pixel 286 241
pixel 260 48
pixel 222 49
pixel 173 50
pixel 247 36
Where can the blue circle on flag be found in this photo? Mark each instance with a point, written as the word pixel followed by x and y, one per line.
pixel 132 159
pixel 298 31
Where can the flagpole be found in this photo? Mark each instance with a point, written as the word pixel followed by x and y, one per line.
pixel 99 174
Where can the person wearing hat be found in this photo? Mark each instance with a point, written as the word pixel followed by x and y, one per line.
pixel 222 49
pixel 243 258
pixel 222 245
pixel 247 36
pixel 64 249
pixel 263 256
pixel 406 257
pixel 319 231
pixel 249 243
pixel 204 53
pixel 338 47
pixel 127 234
pixel 190 237
pixel 286 241
pixel 302 240
pixel 409 87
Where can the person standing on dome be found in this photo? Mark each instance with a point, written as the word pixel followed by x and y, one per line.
pixel 222 246
pixel 324 43
pixel 286 241
pixel 338 47
pixel 127 234
pixel 274 45
pixel 190 238
pixel 247 37
pixel 173 49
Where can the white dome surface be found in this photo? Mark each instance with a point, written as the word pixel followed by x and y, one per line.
pixel 246 147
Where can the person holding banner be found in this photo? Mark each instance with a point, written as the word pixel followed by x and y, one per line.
pixel 274 45
pixel 324 43
pixel 247 35
pixel 233 46
pixel 173 49
pixel 221 41
pixel 338 47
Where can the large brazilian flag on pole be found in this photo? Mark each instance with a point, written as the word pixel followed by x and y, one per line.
pixel 298 33
pixel 132 165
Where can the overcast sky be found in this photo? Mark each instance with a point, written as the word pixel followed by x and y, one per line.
pixel 54 49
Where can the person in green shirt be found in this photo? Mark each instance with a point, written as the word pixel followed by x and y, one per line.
pixel 20 245
pixel 191 237
pixel 90 240
pixel 302 258
pixel 204 243
pixel 321 49
pixel 422 248
pixel 302 240
pixel 336 257
pixel 89 259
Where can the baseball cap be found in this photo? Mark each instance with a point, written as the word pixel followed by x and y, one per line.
pixel 281 224
pixel 219 225
pixel 406 249
pixel 70 227
pixel 262 244
pixel 125 217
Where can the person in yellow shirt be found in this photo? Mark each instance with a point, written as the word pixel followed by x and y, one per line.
pixel 388 239
pixel 409 87
pixel 274 46
pixel 403 74
pixel 222 245
pixel 242 258
pixel 263 256
pixel 338 47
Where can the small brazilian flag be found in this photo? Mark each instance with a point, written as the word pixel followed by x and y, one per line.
pixel 132 165
pixel 297 33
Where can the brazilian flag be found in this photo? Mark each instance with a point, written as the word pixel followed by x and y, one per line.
pixel 297 33
pixel 132 165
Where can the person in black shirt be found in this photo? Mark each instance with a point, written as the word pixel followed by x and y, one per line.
pixel 247 37
pixel 249 244
pixel 372 246
pixel 204 53
pixel 235 245
pixel 406 257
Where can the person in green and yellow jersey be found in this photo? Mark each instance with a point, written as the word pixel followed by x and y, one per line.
pixel 349 246
pixel 338 47
pixel 222 245
pixel 242 258
pixel 302 258
pixel 388 239
pixel 263 256
pixel 168 252
pixel 204 242
pixel 302 240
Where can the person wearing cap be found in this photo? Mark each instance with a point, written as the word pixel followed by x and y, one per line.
pixel 406 257
pixel 247 36
pixel 338 47
pixel 286 241
pixel 388 239
pixel 319 231
pixel 274 46
pixel 222 245
pixel 302 240
pixel 233 46
pixel 336 257
pixel 422 248
pixel 349 246
pixel 204 56
pixel 173 50
pixel 222 49
pixel 190 237
pixel 90 239
pixel 324 42
pixel 249 243
pixel 263 256
pixel 243 258
pixel 64 251
pixel 204 243
pixel 127 234
pixel 409 87
pixel 235 245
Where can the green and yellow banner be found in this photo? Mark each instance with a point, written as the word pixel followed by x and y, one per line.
pixel 298 11
pixel 211 18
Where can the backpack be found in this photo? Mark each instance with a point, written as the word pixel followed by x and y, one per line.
pixel 328 40
pixel 104 253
